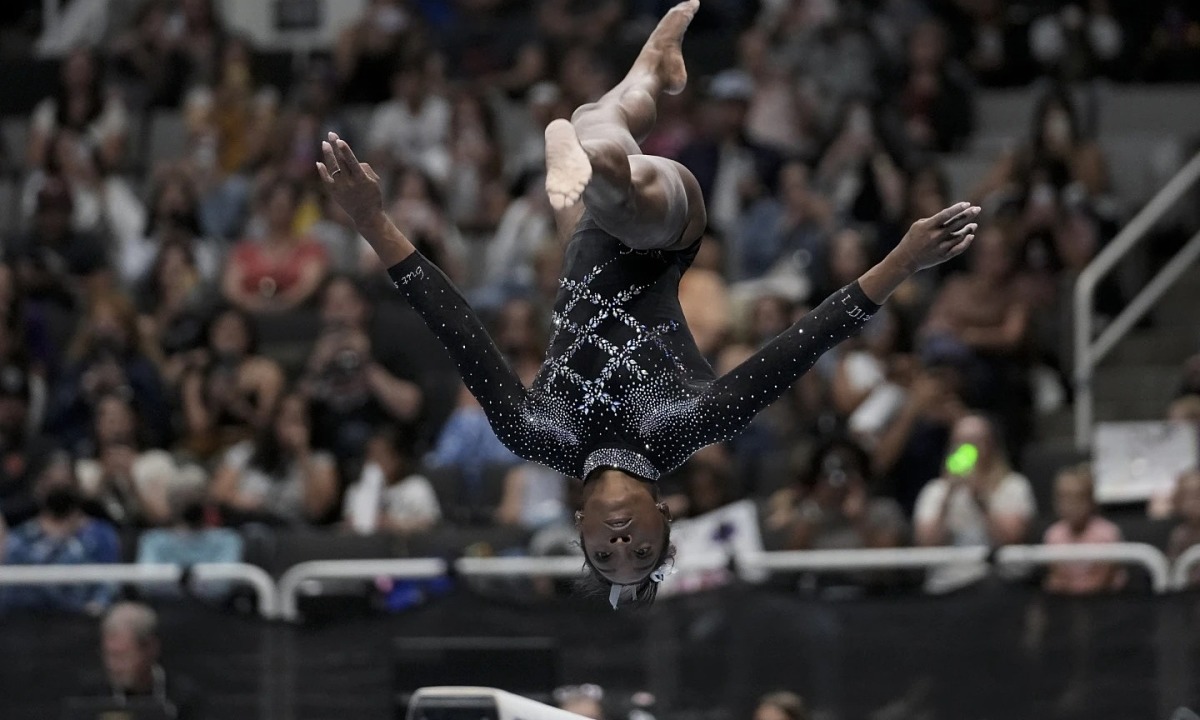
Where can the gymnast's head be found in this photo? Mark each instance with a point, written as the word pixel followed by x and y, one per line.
pixel 625 535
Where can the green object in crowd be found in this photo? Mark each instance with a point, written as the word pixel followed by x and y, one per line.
pixel 962 460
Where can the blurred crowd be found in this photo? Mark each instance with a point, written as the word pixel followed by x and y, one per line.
pixel 196 340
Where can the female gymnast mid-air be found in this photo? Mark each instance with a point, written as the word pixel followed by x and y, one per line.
pixel 624 396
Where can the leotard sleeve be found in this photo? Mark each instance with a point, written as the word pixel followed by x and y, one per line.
pixel 484 369
pixel 728 405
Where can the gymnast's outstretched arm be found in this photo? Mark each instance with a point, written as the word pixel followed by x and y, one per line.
pixel 728 405
pixel 446 313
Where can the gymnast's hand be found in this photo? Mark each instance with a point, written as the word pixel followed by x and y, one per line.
pixel 936 239
pixel 354 185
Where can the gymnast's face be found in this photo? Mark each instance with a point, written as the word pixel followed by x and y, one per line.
pixel 621 527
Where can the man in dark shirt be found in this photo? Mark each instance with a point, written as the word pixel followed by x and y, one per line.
pixel 130 647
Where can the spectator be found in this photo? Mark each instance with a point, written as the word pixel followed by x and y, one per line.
pixel 833 507
pixel 152 67
pixel 186 541
pixel 781 705
pixel 130 485
pixel 107 356
pixel 936 97
pixel 351 392
pixel 733 171
pixel 229 392
pixel 196 29
pixel 230 125
pixel 130 646
pixel 366 52
pixel 312 114
pixel 283 270
pixel 586 700
pixel 467 445
pixel 390 496
pixel 704 483
pixel 534 497
pixel 1057 156
pixel 1074 44
pixel 174 219
pixel 412 128
pixel 977 501
pixel 61 534
pixel 983 317
pixel 53 262
pixel 1080 522
pixel 1185 408
pixel 25 337
pixel 788 232
pixel 174 304
pixel 1187 533
pixel 778 115
pixel 526 225
pixel 860 169
pixel 278 477
pixel 24 450
pixel 419 212
pixel 82 109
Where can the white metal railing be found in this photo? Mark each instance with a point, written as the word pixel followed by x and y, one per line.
pixel 255 577
pixel 279 600
pixel 408 568
pixel 848 560
pixel 1147 556
pixel 1181 571
pixel 1089 353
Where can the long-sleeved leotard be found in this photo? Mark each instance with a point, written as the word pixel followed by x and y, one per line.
pixel 623 384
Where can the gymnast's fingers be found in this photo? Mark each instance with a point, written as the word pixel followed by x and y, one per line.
pixel 960 247
pixel 331 163
pixel 960 234
pixel 346 158
pixel 324 173
pixel 943 217
pixel 959 221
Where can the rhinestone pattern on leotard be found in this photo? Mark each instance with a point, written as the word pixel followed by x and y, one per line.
pixel 623 384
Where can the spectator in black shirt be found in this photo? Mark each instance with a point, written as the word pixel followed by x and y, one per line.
pixel 130 647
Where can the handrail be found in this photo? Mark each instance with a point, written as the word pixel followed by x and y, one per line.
pixel 409 568
pixel 157 574
pixel 875 559
pixel 257 578
pixel 1142 554
pixel 1087 355
pixel 1181 571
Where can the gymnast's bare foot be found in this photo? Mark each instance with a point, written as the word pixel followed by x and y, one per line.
pixel 663 52
pixel 568 169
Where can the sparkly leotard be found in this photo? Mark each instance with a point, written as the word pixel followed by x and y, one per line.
pixel 623 384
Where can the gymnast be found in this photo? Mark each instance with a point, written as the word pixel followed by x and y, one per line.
pixel 623 395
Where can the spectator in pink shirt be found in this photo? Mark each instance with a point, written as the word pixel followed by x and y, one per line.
pixel 1080 523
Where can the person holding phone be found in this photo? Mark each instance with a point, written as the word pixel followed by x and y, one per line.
pixel 624 395
pixel 978 501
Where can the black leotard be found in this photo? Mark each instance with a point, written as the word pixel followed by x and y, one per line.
pixel 623 384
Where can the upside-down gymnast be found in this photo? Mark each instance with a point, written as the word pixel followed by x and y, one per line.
pixel 624 396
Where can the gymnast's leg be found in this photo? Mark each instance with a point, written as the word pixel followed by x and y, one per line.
pixel 646 202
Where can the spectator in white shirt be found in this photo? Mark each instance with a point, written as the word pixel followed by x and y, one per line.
pixel 978 501
pixel 389 496
pixel 412 128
